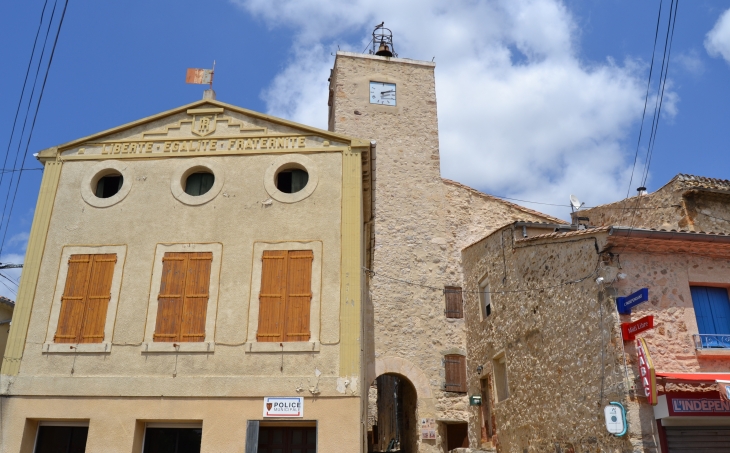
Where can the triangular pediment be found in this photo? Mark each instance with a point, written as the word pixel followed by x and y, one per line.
pixel 205 126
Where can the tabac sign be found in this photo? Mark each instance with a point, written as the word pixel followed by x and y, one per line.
pixel 647 374
pixel 283 407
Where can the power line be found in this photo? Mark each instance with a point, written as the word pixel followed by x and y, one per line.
pixel 668 52
pixel 646 97
pixel 35 117
pixel 25 119
pixel 22 93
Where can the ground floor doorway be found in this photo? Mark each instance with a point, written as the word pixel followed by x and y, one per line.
pixel 287 439
pixel 392 415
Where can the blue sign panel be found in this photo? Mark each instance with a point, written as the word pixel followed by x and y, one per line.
pixel 625 303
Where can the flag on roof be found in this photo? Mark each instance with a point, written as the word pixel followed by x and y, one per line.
pixel 199 76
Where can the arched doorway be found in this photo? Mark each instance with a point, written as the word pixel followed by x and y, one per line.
pixel 393 426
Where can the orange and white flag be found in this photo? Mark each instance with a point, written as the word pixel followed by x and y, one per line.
pixel 199 76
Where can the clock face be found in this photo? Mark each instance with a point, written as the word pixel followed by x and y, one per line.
pixel 382 93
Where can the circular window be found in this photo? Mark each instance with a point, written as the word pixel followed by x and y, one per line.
pixel 199 183
pixel 291 178
pixel 109 185
pixel 106 183
pixel 196 181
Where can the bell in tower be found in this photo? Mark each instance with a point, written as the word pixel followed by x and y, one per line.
pixel 383 42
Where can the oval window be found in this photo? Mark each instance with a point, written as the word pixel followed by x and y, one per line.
pixel 199 183
pixel 109 185
pixel 292 181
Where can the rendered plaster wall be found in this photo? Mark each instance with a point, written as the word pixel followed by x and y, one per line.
pixel 561 343
pixel 117 426
pixel 237 218
pixel 421 223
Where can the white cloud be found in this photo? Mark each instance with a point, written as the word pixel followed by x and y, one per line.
pixel 519 113
pixel 717 41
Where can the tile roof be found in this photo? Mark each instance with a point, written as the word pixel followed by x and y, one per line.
pixel 6 301
pixel 703 182
pixel 513 205
pixel 566 234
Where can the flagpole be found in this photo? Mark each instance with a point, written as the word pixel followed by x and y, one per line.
pixel 212 74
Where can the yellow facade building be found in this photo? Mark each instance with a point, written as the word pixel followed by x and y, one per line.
pixel 192 278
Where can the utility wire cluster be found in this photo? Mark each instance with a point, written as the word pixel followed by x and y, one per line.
pixel 28 105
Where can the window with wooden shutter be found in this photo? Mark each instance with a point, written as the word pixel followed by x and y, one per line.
pixel 285 296
pixel 454 305
pixel 183 299
pixel 85 298
pixel 455 367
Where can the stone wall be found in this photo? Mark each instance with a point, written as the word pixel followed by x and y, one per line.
pixel 686 202
pixel 560 341
pixel 421 223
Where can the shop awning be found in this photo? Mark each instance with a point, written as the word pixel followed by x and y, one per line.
pixel 692 378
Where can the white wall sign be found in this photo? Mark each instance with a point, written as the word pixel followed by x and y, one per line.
pixel 283 406
pixel 615 419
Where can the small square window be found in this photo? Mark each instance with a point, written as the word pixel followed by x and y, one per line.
pixel 454 303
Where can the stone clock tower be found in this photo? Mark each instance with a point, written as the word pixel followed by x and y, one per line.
pixel 392 101
pixel 414 342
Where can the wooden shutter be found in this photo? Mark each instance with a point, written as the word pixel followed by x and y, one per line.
pixel 170 299
pixel 285 296
pixel 183 300
pixel 298 295
pixel 272 296
pixel 85 299
pixel 195 304
pixel 98 296
pixel 73 299
pixel 454 305
pixel 455 367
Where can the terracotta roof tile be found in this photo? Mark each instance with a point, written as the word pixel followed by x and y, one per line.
pixel 703 182
pixel 566 234
pixel 6 301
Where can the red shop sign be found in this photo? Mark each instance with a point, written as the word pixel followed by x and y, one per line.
pixel 647 374
pixel 631 329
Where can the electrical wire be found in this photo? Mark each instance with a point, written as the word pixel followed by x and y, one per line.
pixel 668 53
pixel 22 93
pixel 435 288
pixel 35 117
pixel 27 113
pixel 646 97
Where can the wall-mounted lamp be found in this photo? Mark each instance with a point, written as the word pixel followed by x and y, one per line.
pixel 480 369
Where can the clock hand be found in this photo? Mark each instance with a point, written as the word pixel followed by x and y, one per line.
pixel 389 91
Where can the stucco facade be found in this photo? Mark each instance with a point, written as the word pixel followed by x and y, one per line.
pixel 129 379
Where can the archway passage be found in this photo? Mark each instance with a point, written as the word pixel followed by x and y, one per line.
pixel 392 415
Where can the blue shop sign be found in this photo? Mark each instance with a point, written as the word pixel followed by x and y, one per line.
pixel 625 303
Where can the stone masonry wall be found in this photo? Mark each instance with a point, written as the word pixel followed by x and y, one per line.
pixel 421 223
pixel 561 343
pixel 681 204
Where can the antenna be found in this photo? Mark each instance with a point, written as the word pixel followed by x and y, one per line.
pixel 575 203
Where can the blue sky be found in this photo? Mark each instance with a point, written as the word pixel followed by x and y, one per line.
pixel 537 98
